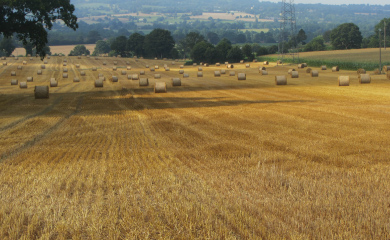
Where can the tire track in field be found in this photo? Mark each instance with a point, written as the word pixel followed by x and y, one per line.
pixel 40 137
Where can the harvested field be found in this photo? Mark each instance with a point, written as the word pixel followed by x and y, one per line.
pixel 64 49
pixel 214 158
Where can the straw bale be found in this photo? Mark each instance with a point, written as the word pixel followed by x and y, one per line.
pixel 218 64
pixel 290 71
pixel 247 65
pixel 300 66
pixel 176 82
pixel 24 63
pixel 194 64
pixel 20 67
pixel 156 67
pixel 114 68
pixel 386 68
pixel 265 63
pixel 104 63
pixel 181 71
pixel 294 74
pixel 76 79
pixel 217 73
pixel 181 66
pixel 123 72
pixel 200 69
pixel 99 83
pixel 364 78
pixel 78 57
pixel 241 76
pixel 230 66
pixel 5 63
pixel 167 69
pixel 304 64
pixel 226 63
pixel 114 79
pixel 142 72
pixel 242 61
pixel 13 73
pixel 255 60
pixel 261 69
pixel 82 73
pixel 263 72
pixel 65 70
pixel 206 64
pixel 130 76
pixel 335 69
pixel 115 63
pixel 14 82
pixel 127 63
pixel 41 92
pixel 135 77
pixel 281 80
pixel 77 65
pixel 343 80
pixel 152 69
pixel 232 73
pixel 64 64
pixel 65 60
pixel 314 73
pixel 185 75
pixel 143 82
pixel 45 62
pixel 94 69
pixel 200 74
pixel 23 85
pixel 39 72
pixel 223 71
pixel 30 79
pixel 64 75
pixel 128 68
pixel 53 82
pixel 160 87
pixel 361 71
pixel 323 67
pixel 157 76
pixel 147 66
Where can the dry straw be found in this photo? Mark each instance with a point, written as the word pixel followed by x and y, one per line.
pixel 294 74
pixel 13 73
pixel 206 64
pixel 261 69
pixel 14 82
pixel 247 65
pixel 200 74
pixel 223 71
pixel 181 71
pixel 43 66
pixel 185 75
pixel 76 79
pixel 77 65
pixel 314 73
pixel 335 69
pixel 123 72
pixel 230 66
pixel 99 82
pixel 82 73
pixel 386 68
pixel 176 82
pixel 300 66
pixel 323 67
pixel 290 71
pixel 143 82
pixel 30 79
pixel 20 67
pixel 343 80
pixel 39 72
pixel 65 70
pixel 135 77
pixel 64 75
pixel 24 63
pixel 241 76
pixel 308 70
pixel 364 78
pixel 361 71
pixel 156 67
pixel 114 79
pixel 114 68
pixel 128 68
pixel 200 69
pixel 41 92
pixel 129 76
pixel 217 73
pixel 232 73
pixel 142 72
pixel 157 76
pixel 23 85
pixel 281 80
pixel 263 72
pixel 265 63
pixel 226 63
pixel 53 82
pixel 160 87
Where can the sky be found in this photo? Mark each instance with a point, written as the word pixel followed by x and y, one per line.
pixel 337 2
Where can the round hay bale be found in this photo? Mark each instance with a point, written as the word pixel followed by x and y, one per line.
pixel 265 63
pixel 76 79
pixel 217 73
pixel 77 65
pixel 41 92
pixel 64 64
pixel 82 73
pixel 65 60
pixel 30 79
pixel 45 62
pixel 199 74
pixel 247 65
pixel 129 76
pixel 364 78
pixel 223 71
pixel 114 79
pixel 255 60
pixel 151 69
pixel 48 57
pixel 160 87
pixel 99 82
pixel 176 82
pixel 314 73
pixel 123 72
pixel 200 69
pixel 65 70
pixel 53 82
pixel 230 66
pixel 31 59
pixel 226 63
pixel 20 67
pixel 232 73
pixel 78 57
pixel 128 68
pixel 167 69
pixel 262 69
pixel 377 72
pixel 157 76
pixel 14 82
pixel 104 63
pixel 201 63
pixel 3 58
pixel 290 71
pixel 173 63
pixel 13 73
pixel 335 69
pixel 102 78
pixel 323 67
pixel 241 76
pixel 156 67
pixel 114 68
pixel 24 63
pixel 94 69
pixel 386 68
pixel 181 71
pixel 147 66
pixel 185 75
pixel 23 85
pixel 308 70
pixel 218 64
pixel 361 71
pixel 242 61
pixel 142 72
pixel 194 64
pixel 165 65
pixel 43 66
pixel 115 63
pixel 343 80
pixel 5 63
pixel 143 82
pixel 263 72
pixel 300 66
pixel 281 80
pixel 304 64
pixel 135 77
pixel 294 74
pixel 181 66
pixel 64 75
pixel 39 72
pixel 127 63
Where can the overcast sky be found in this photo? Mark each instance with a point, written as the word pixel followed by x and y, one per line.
pixel 371 2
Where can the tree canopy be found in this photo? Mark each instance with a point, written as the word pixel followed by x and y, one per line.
pixel 30 19
pixel 346 36
pixel 79 50
pixel 159 43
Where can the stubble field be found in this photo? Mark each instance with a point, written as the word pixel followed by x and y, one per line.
pixel 215 158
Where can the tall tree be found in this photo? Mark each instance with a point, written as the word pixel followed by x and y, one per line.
pixel 93 36
pixel 159 43
pixel 223 47
pixel 301 36
pixel 7 46
pixel 119 45
pixel 79 50
pixel 247 51
pixel 101 47
pixel 135 44
pixel 30 19
pixel 346 36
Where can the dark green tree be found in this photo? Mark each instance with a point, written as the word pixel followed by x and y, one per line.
pixel 317 44
pixel 30 20
pixel 235 54
pixel 212 37
pixel 198 52
pixel 29 48
pixel 301 36
pixel 346 36
pixel 223 47
pixel 79 50
pixel 159 43
pixel 93 36
pixel 7 46
pixel 102 47
pixel 119 46
pixel 247 51
pixel 262 51
pixel 135 44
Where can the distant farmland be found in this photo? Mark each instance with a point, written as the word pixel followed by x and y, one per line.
pixel 64 49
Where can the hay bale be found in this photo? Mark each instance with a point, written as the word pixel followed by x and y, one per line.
pixel 279 62
pixel 156 67
pixel 242 61
pixel 30 79
pixel 323 67
pixel 218 64
pixel 3 58
pixel 194 64
pixel 262 69
pixel 20 67
pixel 151 69
pixel 386 68
pixel 24 63
pixel 157 76
pixel 335 69
pixel 217 73
pixel 123 72
pixel 39 72
pixel 102 78
pixel 99 83
pixel 76 79
pixel 5 63
pixel 64 75
pixel 200 69
pixel 65 60
pixel 185 75
pixel 167 69
pixel 226 63
pixel 176 82
pixel 300 66
pixel 308 70
pixel 304 64
pixel 53 82
pixel 135 77
pixel 127 63
pixel 45 62
pixel 129 76
pixel 48 57
pixel 263 72
pixel 314 73
pixel 199 74
pixel 82 73
pixel 343 80
pixel 265 63
pixel 230 66
pixel 13 73
pixel 114 79
pixel 147 66
pixel 232 73
pixel 65 70
pixel 23 85
pixel 281 80
pixel 115 63
pixel 223 71
pixel 142 72
pixel 181 71
pixel 206 64
pixel 14 82
pixel 77 65
pixel 361 71
pixel 64 64
pixel 94 69
pixel 114 68
pixel 104 63
pixel 241 76
pixel 173 63
pixel 128 68
pixel 41 92
pixel 247 65
pixel 364 78
pixel 377 72
pixel 165 65
pixel 78 57
pixel 181 66
pixel 290 71
pixel 255 60
pixel 160 87
pixel 294 74
pixel 143 82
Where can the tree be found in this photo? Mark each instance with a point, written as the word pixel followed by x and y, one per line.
pixel 262 51
pixel 212 37
pixel 301 36
pixel 119 45
pixel 29 48
pixel 101 47
pixel 198 52
pixel 235 54
pixel 159 43
pixel 93 36
pixel 30 19
pixel 326 35
pixel 247 51
pixel 317 44
pixel 135 44
pixel 346 36
pixel 7 46
pixel 79 50
pixel 223 47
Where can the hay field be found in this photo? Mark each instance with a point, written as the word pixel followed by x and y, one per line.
pixel 64 49
pixel 215 158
